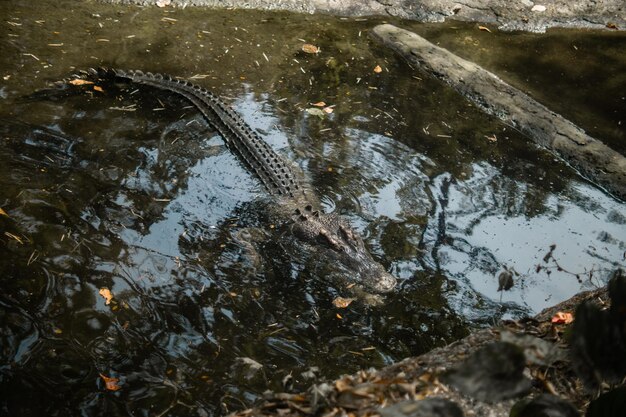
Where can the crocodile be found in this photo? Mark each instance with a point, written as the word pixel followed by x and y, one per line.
pixel 301 214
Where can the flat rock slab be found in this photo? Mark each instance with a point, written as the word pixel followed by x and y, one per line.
pixel 593 159
pixel 527 15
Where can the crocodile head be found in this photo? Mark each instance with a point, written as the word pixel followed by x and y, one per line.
pixel 343 247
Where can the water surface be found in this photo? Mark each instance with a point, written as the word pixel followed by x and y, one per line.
pixel 132 192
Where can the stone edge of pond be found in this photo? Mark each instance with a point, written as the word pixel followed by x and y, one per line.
pixel 523 15
pixel 590 157
pixel 370 392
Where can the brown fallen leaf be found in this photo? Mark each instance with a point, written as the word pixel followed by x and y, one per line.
pixel 611 25
pixel 328 109
pixel 110 383
pixel 339 316
pixel 79 81
pixel 341 302
pixel 311 49
pixel 106 293
pixel 318 104
pixel 485 28
pixel 342 384
pixel 562 318
pixel 98 88
pixel 492 138
pixel 378 69
pixel 3 213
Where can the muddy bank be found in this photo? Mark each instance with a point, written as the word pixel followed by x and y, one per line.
pixel 527 358
pixel 524 15
pixel 590 157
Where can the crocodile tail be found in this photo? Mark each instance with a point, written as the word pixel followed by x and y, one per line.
pixel 272 170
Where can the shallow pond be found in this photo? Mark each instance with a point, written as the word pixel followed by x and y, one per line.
pixel 133 193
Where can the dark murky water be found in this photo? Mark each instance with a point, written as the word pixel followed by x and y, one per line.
pixel 108 190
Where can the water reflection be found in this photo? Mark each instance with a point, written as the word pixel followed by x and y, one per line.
pixel 160 230
pixel 495 221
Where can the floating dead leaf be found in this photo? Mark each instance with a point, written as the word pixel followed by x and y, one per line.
pixel 33 257
pixel 378 69
pixel 505 280
pixel 3 213
pixel 106 293
pixel 314 111
pixel 14 237
pixel 341 302
pixel 318 104
pixel 548 255
pixel 328 110
pixel 310 49
pixel 79 81
pixel 98 88
pixel 492 138
pixel 110 383
pixel 485 28
pixel 611 25
pixel 562 318
pixel 339 316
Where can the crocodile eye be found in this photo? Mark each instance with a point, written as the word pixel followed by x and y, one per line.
pixel 351 237
pixel 345 232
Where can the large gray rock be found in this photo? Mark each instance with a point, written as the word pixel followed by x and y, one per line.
pixel 526 15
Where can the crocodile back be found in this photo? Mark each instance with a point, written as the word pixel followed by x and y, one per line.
pixel 270 168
